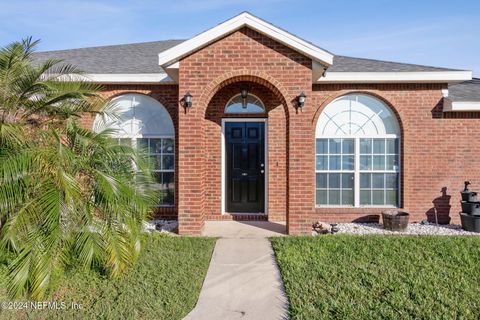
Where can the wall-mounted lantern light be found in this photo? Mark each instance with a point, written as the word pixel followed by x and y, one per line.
pixel 244 95
pixel 187 100
pixel 301 100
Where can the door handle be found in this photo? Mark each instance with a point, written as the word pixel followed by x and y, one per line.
pixel 244 174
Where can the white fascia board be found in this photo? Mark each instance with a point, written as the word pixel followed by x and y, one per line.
pixel 126 78
pixel 460 106
pixel 397 77
pixel 174 54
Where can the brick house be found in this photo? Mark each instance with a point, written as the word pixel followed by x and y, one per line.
pixel 247 121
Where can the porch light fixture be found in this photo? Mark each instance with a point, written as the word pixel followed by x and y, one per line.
pixel 301 100
pixel 187 100
pixel 244 95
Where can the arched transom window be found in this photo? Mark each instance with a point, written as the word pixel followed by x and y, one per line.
pixel 357 153
pixel 143 122
pixel 250 104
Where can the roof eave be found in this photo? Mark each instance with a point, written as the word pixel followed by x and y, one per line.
pixel 396 77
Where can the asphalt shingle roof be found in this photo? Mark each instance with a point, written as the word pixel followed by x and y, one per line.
pixel 122 58
pixel 465 91
pixel 143 58
pixel 351 64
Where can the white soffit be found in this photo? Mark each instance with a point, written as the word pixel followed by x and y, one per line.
pixel 397 77
pixel 244 19
pixel 460 106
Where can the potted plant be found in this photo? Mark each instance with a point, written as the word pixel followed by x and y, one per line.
pixel 395 220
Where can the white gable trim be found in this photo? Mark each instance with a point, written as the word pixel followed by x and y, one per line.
pixel 398 77
pixel 174 54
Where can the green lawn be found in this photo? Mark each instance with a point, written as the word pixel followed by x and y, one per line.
pixel 164 284
pixel 380 277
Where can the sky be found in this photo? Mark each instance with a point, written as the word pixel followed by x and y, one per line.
pixel 429 32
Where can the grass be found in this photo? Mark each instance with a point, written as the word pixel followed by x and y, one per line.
pixel 164 284
pixel 380 277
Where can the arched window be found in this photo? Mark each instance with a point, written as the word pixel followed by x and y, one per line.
pixel 144 122
pixel 251 104
pixel 357 153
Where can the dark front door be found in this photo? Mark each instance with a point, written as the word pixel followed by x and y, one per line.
pixel 245 174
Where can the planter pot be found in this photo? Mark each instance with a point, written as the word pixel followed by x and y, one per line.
pixel 469 196
pixel 472 208
pixel 470 223
pixel 395 220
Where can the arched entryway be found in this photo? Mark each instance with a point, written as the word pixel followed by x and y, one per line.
pixel 246 153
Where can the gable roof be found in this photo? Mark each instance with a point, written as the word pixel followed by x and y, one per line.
pixel 245 19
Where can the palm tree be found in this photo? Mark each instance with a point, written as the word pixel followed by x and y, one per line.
pixel 66 192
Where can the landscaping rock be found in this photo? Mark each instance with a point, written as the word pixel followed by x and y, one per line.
pixel 423 228
pixel 160 225
pixel 320 227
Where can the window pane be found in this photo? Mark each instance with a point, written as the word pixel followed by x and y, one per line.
pixel 392 163
pixel 167 146
pixel 365 197
pixel 321 197
pixel 142 144
pixel 377 197
pixel 365 146
pixel 321 180
pixel 334 180
pixel 166 187
pixel 347 180
pixel 348 162
pixel 125 142
pixel 155 145
pixel 322 146
pixel 378 162
pixel 365 162
pixel 347 197
pixel 391 197
pixel 391 181
pixel 157 162
pixel 334 197
pixel 335 146
pixel 379 146
pixel 168 162
pixel 365 180
pixel 392 145
pixel 348 146
pixel 377 181
pixel 334 163
pixel 321 163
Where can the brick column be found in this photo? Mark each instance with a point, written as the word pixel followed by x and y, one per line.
pixel 301 168
pixel 191 140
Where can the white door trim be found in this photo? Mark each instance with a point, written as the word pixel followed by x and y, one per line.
pixel 224 160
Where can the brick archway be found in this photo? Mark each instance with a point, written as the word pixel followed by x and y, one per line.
pixel 243 76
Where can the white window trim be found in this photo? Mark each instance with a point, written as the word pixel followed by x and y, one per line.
pixel 357 171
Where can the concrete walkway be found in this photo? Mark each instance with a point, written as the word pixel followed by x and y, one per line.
pixel 243 280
